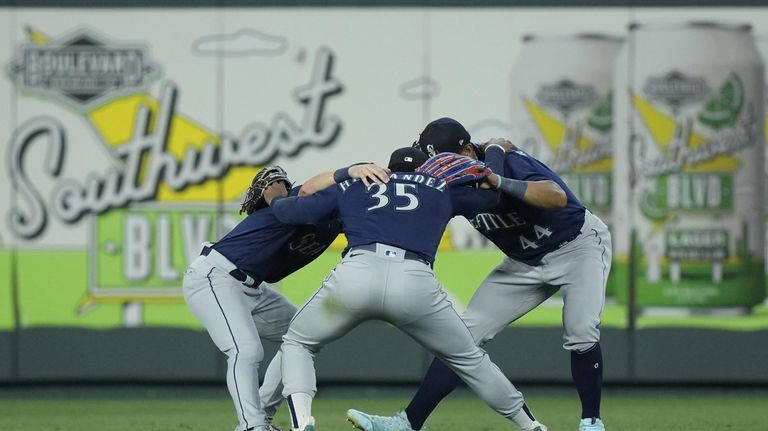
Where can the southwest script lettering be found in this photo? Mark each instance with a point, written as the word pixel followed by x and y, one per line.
pixel 145 163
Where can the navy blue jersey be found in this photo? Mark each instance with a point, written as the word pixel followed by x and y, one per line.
pixel 524 232
pixel 410 211
pixel 269 250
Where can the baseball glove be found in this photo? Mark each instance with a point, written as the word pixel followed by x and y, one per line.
pixel 253 197
pixel 455 169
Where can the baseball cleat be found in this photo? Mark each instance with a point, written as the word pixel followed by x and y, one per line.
pixel 537 426
pixel 366 422
pixel 308 427
pixel 591 424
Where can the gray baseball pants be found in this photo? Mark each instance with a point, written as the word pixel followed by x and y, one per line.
pixel 579 269
pixel 383 285
pixel 236 317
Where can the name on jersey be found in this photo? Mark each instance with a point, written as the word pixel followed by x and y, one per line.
pixel 530 239
pixel 425 180
pixel 488 222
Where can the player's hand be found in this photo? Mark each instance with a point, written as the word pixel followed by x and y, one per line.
pixel 506 144
pixel 491 182
pixel 277 189
pixel 369 173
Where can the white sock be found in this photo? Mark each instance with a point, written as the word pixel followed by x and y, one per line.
pixel 522 420
pixel 300 405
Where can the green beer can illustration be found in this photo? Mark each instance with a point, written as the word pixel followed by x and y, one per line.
pixel 762 47
pixel 689 165
pixel 561 110
pixel 562 86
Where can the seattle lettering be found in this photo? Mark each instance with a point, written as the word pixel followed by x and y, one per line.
pixel 488 222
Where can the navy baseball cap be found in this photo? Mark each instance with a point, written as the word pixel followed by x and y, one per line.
pixel 406 159
pixel 444 135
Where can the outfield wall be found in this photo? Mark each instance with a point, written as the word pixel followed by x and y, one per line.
pixel 377 353
pixel 99 103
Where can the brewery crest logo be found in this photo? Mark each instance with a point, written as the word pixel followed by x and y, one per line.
pixel 675 89
pixel 566 96
pixel 82 68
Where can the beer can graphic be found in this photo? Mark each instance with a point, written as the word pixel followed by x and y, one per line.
pixel 561 110
pixel 762 47
pixel 562 114
pixel 689 164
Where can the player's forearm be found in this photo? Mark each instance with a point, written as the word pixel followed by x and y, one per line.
pixel 318 182
pixel 289 211
pixel 326 179
pixel 494 158
pixel 545 194
pixel 367 172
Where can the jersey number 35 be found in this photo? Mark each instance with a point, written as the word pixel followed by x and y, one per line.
pixel 403 199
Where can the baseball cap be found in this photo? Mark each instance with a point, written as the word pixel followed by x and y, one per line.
pixel 444 135
pixel 406 159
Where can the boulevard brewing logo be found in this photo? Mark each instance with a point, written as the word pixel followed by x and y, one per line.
pixel 86 71
pixel 566 96
pixel 675 89
pixel 82 68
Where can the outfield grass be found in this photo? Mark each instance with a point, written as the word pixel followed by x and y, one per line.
pixel 621 413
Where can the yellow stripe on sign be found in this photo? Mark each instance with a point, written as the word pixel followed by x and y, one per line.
pixel 722 163
pixel 662 129
pixel 765 127
pixel 36 36
pixel 604 165
pixel 115 120
pixel 661 126
pixel 551 129
pixel 554 131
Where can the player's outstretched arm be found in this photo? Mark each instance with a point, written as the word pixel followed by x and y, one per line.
pixel 312 209
pixel 367 172
pixel 542 194
pixel 319 182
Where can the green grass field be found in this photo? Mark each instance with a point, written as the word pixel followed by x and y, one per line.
pixel 621 413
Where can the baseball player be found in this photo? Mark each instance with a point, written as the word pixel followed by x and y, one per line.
pixel 566 249
pixel 393 232
pixel 224 287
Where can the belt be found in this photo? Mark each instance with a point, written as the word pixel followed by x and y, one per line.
pixel 577 234
pixel 567 240
pixel 409 255
pixel 237 274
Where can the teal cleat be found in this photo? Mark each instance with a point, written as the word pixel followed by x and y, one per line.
pixel 366 422
pixel 308 427
pixel 537 426
pixel 591 424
